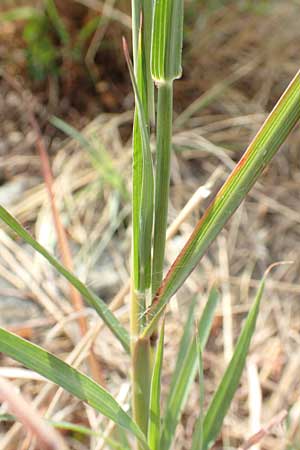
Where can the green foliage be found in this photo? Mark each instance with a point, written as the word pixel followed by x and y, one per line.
pixel 153 429
pixel 42 55
pixel 223 396
pixel 154 405
pixel 100 157
pixel 264 146
pixel 98 304
pixel 47 40
pixel 21 13
pixel 167 35
pixel 185 370
pixel 72 380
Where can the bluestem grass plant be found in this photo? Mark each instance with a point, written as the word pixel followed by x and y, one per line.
pixel 157 29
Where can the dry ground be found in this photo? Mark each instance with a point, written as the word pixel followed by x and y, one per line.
pixel 237 62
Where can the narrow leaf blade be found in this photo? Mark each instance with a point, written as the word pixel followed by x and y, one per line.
pixel 154 413
pixel 223 397
pixel 99 305
pixel 145 176
pixel 21 13
pixel 167 34
pixel 266 143
pixel 73 381
pixel 185 374
pixel 99 157
pixel 57 21
pixel 184 341
pixel 197 442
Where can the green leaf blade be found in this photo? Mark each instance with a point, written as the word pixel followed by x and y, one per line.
pixel 57 22
pixel 144 184
pixel 223 397
pixel 197 442
pixel 266 143
pixel 70 379
pixel 185 374
pixel 21 13
pixel 184 341
pixel 99 305
pixel 167 36
pixel 99 157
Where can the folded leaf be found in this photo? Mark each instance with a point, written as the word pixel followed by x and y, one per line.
pixel 167 35
pixel 144 188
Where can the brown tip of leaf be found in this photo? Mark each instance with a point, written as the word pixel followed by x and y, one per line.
pixel 125 49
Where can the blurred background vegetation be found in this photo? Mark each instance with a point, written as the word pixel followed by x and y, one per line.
pixel 238 58
pixel 60 46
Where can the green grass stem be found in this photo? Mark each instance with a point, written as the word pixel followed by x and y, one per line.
pixel 162 179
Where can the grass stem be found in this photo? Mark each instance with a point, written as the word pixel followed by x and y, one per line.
pixel 162 181
pixel 141 382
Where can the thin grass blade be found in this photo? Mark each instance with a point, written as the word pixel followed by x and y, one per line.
pixel 185 374
pixel 85 431
pixel 197 442
pixel 185 340
pixel 143 204
pixel 154 412
pixel 57 22
pixel 136 17
pixel 69 426
pixel 21 13
pixel 99 157
pixel 223 397
pixel 267 142
pixel 146 29
pixel 146 183
pixel 141 256
pixel 70 379
pixel 99 305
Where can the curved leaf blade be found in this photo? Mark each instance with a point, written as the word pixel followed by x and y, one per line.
pixel 70 379
pixel 264 146
pixel 185 374
pixel 223 397
pixel 99 156
pixel 99 305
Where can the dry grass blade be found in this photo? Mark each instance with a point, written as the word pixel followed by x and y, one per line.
pixel 98 304
pixel 47 437
pixel 257 437
pixel 65 251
